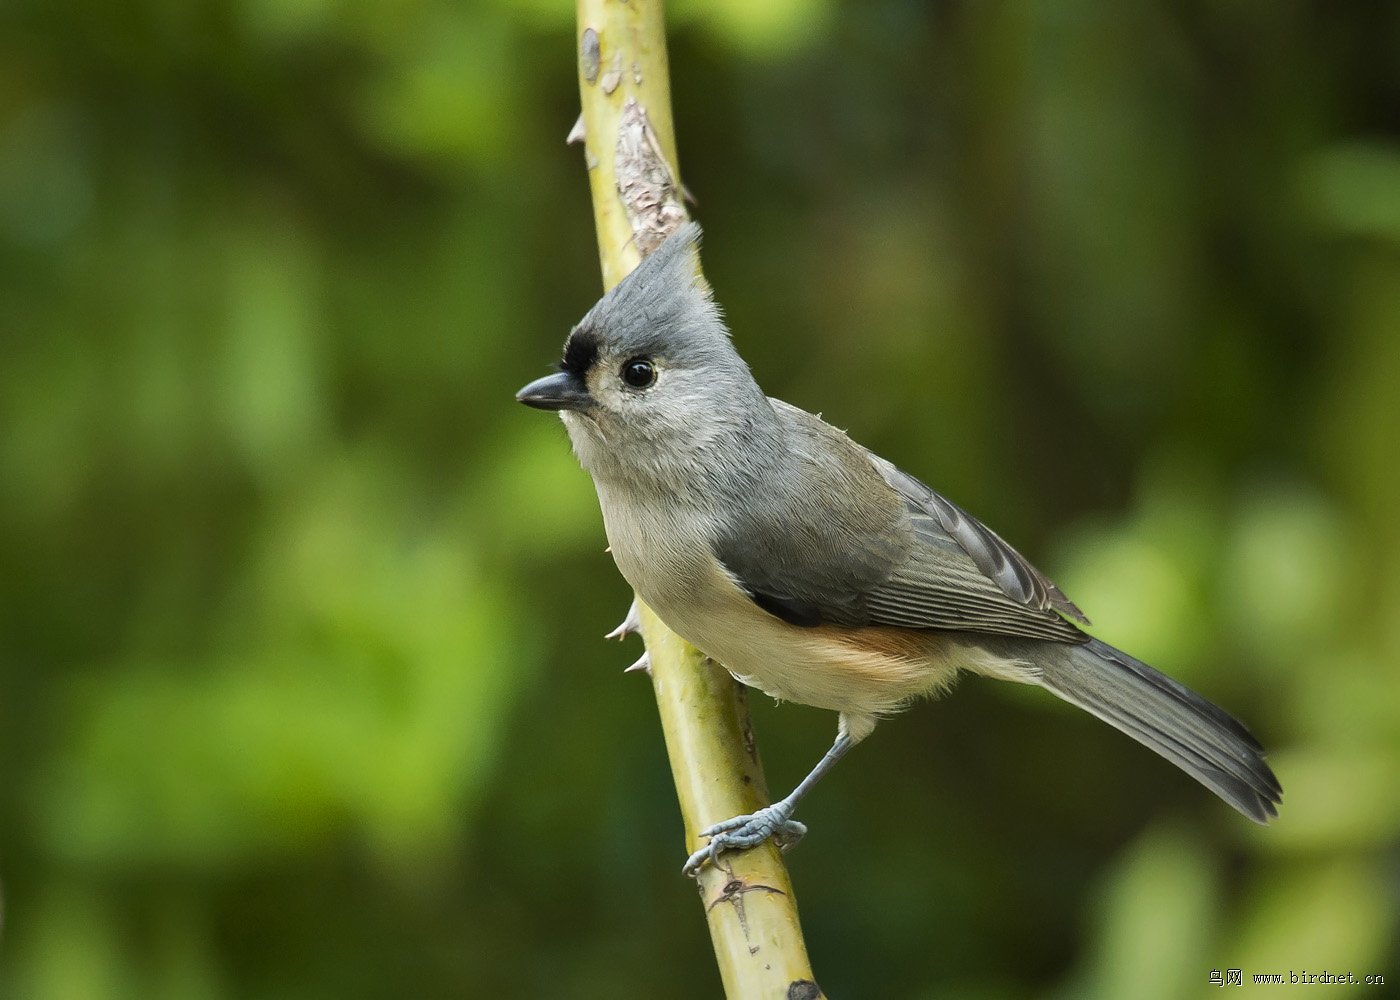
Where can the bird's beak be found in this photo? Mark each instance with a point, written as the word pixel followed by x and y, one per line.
pixel 560 391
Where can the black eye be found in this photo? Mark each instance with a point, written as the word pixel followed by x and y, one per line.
pixel 638 373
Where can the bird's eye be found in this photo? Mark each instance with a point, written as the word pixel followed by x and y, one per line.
pixel 638 373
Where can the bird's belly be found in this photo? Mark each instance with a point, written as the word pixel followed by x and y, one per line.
pixel 859 672
pixel 862 672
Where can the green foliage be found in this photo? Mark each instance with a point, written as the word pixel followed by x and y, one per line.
pixel 301 689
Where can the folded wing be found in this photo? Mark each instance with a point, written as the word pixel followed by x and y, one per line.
pixel 909 557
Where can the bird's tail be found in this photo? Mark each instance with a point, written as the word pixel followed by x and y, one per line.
pixel 1200 738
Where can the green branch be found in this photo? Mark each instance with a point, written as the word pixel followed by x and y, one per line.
pixel 630 151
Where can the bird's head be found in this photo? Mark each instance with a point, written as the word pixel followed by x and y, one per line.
pixel 649 376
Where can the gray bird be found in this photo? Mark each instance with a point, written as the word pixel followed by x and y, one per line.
pixel 813 569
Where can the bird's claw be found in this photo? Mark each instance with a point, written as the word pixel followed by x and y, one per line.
pixel 743 832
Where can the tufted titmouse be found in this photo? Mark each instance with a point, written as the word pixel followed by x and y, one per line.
pixel 813 569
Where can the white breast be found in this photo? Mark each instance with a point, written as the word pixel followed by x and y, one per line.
pixel 699 600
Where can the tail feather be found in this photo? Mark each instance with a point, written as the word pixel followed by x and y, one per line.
pixel 1165 716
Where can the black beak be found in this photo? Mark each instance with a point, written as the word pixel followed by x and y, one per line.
pixel 560 391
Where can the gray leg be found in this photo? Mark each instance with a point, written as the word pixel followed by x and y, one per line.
pixel 743 832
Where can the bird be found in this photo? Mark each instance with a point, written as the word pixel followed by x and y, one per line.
pixel 816 571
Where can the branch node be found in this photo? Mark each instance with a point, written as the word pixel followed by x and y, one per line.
pixel 589 55
pixel 576 134
pixel 612 77
pixel 631 622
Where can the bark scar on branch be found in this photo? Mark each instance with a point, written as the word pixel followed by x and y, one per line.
pixel 645 181
pixel 733 893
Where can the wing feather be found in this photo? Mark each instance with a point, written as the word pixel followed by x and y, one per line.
pixel 909 557
pixel 936 519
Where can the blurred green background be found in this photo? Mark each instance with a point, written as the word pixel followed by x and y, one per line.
pixel 302 689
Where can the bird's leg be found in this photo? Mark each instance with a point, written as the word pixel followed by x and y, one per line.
pixel 743 832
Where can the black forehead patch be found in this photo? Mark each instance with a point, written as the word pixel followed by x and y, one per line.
pixel 580 351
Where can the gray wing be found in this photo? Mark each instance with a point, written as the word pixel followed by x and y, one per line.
pixel 962 568
pixel 909 558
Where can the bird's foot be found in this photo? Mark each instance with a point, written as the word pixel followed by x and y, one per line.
pixel 743 832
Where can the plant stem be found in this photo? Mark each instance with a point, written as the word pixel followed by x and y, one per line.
pixel 630 151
